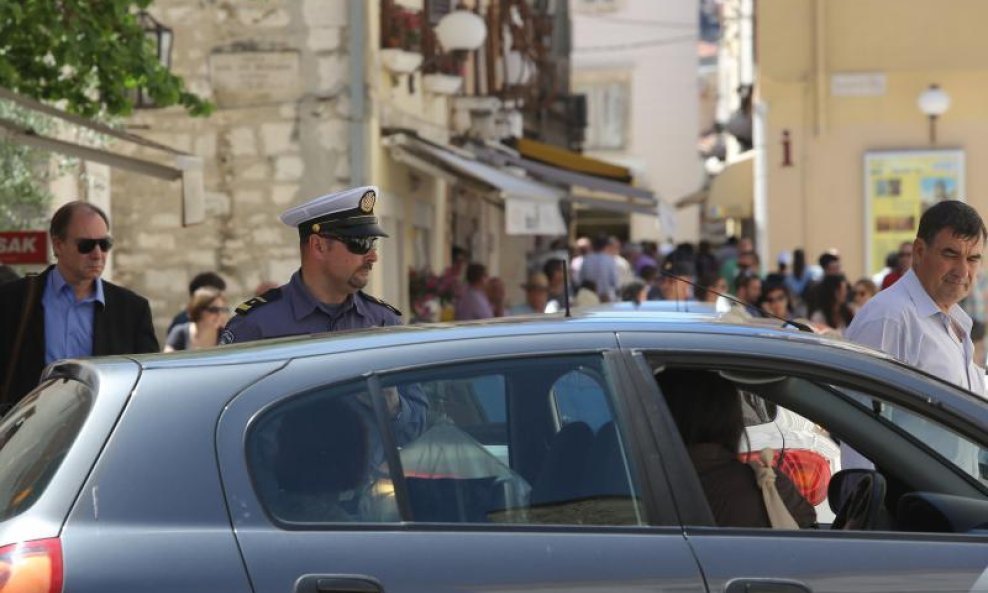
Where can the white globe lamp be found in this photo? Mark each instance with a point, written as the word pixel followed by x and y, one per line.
pixel 933 102
pixel 461 30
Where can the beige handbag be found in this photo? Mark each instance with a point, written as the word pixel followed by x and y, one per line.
pixel 778 515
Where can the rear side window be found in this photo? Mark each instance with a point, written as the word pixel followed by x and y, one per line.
pixel 34 438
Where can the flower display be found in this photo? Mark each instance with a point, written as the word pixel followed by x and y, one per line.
pixel 429 292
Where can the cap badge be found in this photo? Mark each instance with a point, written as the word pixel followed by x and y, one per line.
pixel 367 202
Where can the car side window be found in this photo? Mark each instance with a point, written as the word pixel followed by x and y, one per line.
pixel 968 456
pixel 518 441
pixel 319 458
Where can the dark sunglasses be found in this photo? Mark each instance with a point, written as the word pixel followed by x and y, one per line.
pixel 216 309
pixel 87 245
pixel 355 245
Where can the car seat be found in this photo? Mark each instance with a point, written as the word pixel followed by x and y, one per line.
pixel 561 476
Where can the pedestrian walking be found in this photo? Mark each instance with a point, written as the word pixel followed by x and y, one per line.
pixel 208 313
pixel 919 321
pixel 200 280
pixel 473 302
pixel 68 311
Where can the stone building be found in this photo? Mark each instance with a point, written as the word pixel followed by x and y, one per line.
pixel 277 72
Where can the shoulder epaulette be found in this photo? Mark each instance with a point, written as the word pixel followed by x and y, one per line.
pixel 378 301
pixel 250 304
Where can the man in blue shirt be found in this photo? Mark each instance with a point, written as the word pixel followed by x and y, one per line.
pixel 68 311
pixel 338 233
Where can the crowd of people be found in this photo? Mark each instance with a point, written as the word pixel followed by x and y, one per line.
pixel 604 269
pixel 69 311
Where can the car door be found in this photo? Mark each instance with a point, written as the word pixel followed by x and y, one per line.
pixel 851 394
pixel 526 471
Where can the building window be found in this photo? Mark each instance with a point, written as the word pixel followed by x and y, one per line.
pixel 608 109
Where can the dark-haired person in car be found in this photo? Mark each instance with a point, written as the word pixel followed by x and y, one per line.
pixel 707 410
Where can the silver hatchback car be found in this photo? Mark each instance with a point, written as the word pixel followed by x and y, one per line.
pixel 531 454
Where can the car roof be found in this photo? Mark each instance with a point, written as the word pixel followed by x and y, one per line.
pixel 592 319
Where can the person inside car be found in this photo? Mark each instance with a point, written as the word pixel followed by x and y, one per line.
pixel 707 410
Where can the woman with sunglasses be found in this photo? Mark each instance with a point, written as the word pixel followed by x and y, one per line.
pixel 864 289
pixel 208 313
pixel 775 301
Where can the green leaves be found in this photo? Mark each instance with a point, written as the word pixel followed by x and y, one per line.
pixel 92 54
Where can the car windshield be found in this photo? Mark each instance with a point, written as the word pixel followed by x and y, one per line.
pixel 34 438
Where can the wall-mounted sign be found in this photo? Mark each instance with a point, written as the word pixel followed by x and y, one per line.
pixel 857 84
pixel 23 247
pixel 255 77
pixel 899 187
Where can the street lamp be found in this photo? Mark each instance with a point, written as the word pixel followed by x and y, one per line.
pixel 160 37
pixel 461 30
pixel 934 102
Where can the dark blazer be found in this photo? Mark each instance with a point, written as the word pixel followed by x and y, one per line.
pixel 121 326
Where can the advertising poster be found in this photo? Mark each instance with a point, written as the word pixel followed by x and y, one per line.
pixel 899 187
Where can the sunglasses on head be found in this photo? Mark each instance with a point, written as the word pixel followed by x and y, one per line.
pixel 355 245
pixel 87 245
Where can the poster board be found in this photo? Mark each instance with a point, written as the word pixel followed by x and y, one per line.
pixel 899 185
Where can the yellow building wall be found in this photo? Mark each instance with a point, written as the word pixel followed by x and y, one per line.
pixel 818 203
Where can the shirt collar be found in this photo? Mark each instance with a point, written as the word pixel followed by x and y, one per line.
pixel 926 306
pixel 303 303
pixel 58 285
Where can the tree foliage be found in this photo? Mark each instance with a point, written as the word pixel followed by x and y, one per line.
pixel 88 55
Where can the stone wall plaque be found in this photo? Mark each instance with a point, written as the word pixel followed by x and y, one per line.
pixel 255 78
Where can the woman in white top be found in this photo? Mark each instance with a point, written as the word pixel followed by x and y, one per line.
pixel 208 314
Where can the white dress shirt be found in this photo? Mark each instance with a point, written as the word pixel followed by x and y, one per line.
pixel 905 322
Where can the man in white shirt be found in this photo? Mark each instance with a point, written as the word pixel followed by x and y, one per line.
pixel 918 319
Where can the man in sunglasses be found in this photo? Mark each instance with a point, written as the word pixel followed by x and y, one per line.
pixel 338 236
pixel 68 311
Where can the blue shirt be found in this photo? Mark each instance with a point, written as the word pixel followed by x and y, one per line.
pixel 290 310
pixel 68 321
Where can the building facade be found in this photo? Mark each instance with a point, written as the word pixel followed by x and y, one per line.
pixel 847 158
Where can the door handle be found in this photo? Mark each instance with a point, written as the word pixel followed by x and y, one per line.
pixel 765 586
pixel 337 583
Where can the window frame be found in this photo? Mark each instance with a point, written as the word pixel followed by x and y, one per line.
pixel 692 503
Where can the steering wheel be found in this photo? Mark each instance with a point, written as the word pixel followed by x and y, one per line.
pixel 861 509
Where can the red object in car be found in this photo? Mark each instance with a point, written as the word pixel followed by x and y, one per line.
pixel 809 472
pixel 31 567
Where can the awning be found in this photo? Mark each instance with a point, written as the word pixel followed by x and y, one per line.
pixel 604 194
pixel 187 167
pixel 531 208
pixel 733 189
pixel 696 198
pixel 573 161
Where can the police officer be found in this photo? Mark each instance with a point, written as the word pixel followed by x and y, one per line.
pixel 337 235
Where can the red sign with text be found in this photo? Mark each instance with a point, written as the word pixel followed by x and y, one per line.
pixel 23 247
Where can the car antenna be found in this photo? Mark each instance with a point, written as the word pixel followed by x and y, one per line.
pixel 796 324
pixel 566 286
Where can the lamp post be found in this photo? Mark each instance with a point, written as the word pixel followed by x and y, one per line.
pixel 934 102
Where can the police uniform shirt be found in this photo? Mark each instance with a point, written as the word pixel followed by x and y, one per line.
pixel 291 310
